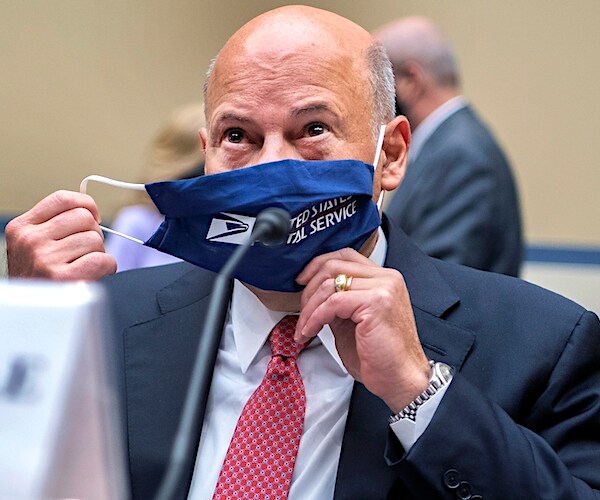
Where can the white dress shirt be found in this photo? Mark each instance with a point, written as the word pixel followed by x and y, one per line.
pixel 240 367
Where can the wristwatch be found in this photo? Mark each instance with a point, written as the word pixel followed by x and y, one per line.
pixel 441 375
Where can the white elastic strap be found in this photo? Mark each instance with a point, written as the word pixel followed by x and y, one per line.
pixel 110 182
pixel 120 184
pixel 376 162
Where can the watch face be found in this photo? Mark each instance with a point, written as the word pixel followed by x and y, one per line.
pixel 445 370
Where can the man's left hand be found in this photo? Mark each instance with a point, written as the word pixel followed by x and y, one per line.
pixel 372 322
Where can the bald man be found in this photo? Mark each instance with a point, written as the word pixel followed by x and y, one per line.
pixel 422 379
pixel 458 201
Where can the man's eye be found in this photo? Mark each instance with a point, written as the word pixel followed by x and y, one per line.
pixel 234 135
pixel 314 129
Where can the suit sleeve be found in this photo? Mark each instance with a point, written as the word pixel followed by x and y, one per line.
pixel 551 450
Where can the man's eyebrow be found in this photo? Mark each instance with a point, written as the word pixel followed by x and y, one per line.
pixel 318 106
pixel 231 116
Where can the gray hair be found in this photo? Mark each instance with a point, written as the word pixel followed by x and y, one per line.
pixel 381 79
pixel 209 72
pixel 383 87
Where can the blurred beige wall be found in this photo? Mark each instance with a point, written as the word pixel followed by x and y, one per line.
pixel 85 84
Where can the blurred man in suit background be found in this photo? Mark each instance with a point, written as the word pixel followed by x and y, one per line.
pixel 458 201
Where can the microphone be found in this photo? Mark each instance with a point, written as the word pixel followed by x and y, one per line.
pixel 271 228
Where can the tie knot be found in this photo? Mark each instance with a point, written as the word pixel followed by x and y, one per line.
pixel 281 338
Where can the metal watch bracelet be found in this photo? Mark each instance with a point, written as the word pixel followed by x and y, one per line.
pixel 441 375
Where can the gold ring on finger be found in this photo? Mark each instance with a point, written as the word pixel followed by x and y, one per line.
pixel 342 283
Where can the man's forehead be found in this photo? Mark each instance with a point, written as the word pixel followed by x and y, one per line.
pixel 236 112
pixel 289 87
pixel 281 42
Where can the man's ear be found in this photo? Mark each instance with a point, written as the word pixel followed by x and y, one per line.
pixel 202 135
pixel 396 142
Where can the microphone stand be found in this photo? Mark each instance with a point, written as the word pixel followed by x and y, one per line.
pixel 271 226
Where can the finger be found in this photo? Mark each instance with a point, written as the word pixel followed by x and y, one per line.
pixel 343 305
pixel 332 268
pixel 345 255
pixel 73 221
pixel 310 301
pixel 37 256
pixel 93 266
pixel 58 202
pixel 49 241
pixel 379 291
pixel 78 245
pixel 89 267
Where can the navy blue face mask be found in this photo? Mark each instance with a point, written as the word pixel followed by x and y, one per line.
pixel 330 203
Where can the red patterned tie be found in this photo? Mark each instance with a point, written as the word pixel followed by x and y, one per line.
pixel 261 456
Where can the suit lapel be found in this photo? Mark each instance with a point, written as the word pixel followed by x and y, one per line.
pixel 164 345
pixel 367 426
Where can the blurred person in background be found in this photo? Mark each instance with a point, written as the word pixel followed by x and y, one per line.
pixel 458 201
pixel 174 153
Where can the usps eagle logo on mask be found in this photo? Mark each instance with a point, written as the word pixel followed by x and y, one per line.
pixel 230 228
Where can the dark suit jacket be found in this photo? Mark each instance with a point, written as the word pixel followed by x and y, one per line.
pixel 521 418
pixel 458 200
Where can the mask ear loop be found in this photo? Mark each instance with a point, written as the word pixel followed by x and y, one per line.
pixel 376 162
pixel 120 184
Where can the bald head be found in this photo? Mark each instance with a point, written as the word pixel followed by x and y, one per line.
pixel 297 26
pixel 291 39
pixel 417 39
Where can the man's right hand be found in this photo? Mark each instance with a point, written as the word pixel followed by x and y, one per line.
pixel 58 239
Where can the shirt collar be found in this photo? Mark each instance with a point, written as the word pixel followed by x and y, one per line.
pixel 428 126
pixel 252 321
pixel 380 251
